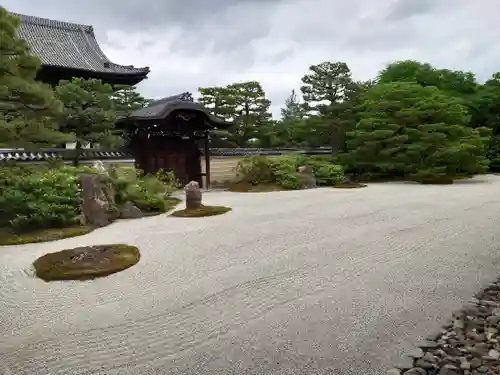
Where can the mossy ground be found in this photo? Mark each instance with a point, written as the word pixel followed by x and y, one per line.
pixel 441 180
pixel 203 211
pixel 245 187
pixel 170 204
pixel 86 263
pixel 8 237
pixel 349 185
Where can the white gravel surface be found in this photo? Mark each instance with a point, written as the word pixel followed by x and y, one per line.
pixel 323 281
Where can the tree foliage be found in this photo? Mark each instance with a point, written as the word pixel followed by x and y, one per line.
pixel 29 111
pixel 126 100
pixel 243 104
pixel 89 112
pixel 406 129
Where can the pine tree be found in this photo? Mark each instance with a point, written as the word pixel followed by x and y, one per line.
pixel 29 111
pixel 89 112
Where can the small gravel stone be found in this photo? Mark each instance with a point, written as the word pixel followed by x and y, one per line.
pixel 394 371
pixel 424 364
pixel 495 354
pixel 415 371
pixel 449 370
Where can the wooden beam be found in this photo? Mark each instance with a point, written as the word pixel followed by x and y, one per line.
pixel 207 162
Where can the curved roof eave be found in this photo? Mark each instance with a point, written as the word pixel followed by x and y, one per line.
pixel 69 45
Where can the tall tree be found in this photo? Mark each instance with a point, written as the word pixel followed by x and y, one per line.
pixel 406 129
pixel 326 89
pixel 244 104
pixel 221 104
pixel 29 111
pixel 293 109
pixel 251 111
pixel 485 109
pixel 454 82
pixel 126 100
pixel 89 112
pixel 289 130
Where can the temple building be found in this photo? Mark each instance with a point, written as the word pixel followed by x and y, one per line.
pixel 68 50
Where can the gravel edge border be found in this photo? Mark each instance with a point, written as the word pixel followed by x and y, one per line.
pixel 468 344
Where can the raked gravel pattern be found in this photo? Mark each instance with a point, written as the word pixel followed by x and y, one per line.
pixel 323 281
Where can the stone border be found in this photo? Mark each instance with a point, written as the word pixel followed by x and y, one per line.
pixel 468 344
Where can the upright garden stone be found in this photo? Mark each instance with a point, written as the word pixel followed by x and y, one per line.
pixel 307 177
pixel 99 166
pixel 193 195
pixel 98 203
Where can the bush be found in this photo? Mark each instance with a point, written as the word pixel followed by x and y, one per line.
pixel 40 197
pixel 282 170
pixel 329 174
pixel 256 170
pixel 147 192
pixel 38 200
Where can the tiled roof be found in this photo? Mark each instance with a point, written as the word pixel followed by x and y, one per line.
pixel 160 109
pixel 45 155
pixel 69 45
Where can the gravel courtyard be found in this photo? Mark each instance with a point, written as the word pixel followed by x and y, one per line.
pixel 323 281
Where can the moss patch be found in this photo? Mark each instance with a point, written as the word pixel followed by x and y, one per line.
pixel 8 237
pixel 86 262
pixel 245 187
pixel 442 180
pixel 349 185
pixel 170 203
pixel 202 211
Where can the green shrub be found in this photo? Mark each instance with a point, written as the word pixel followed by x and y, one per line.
pixel 256 170
pixel 282 170
pixel 328 174
pixel 38 200
pixel 147 192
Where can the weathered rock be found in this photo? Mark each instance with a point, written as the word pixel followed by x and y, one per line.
pixel 130 211
pixel 428 345
pixel 99 166
pixel 193 195
pixel 415 371
pixel 98 200
pixel 449 370
pixel 308 181
pixel 415 353
pixel 475 363
pixel 424 364
pixel 394 371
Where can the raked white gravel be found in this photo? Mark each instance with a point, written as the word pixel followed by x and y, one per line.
pixel 323 281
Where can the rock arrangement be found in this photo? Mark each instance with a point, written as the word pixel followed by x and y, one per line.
pixel 194 207
pixel 469 344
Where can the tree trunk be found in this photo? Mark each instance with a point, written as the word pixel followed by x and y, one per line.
pixel 77 153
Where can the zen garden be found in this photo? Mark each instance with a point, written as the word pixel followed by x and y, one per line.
pixel 307 191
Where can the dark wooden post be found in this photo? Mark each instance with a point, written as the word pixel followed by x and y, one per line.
pixel 207 161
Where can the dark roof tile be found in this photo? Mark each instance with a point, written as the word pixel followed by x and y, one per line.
pixel 69 45
pixel 161 108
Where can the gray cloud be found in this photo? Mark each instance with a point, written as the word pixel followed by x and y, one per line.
pixel 403 9
pixel 195 43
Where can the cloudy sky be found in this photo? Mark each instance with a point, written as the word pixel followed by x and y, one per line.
pixel 193 43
